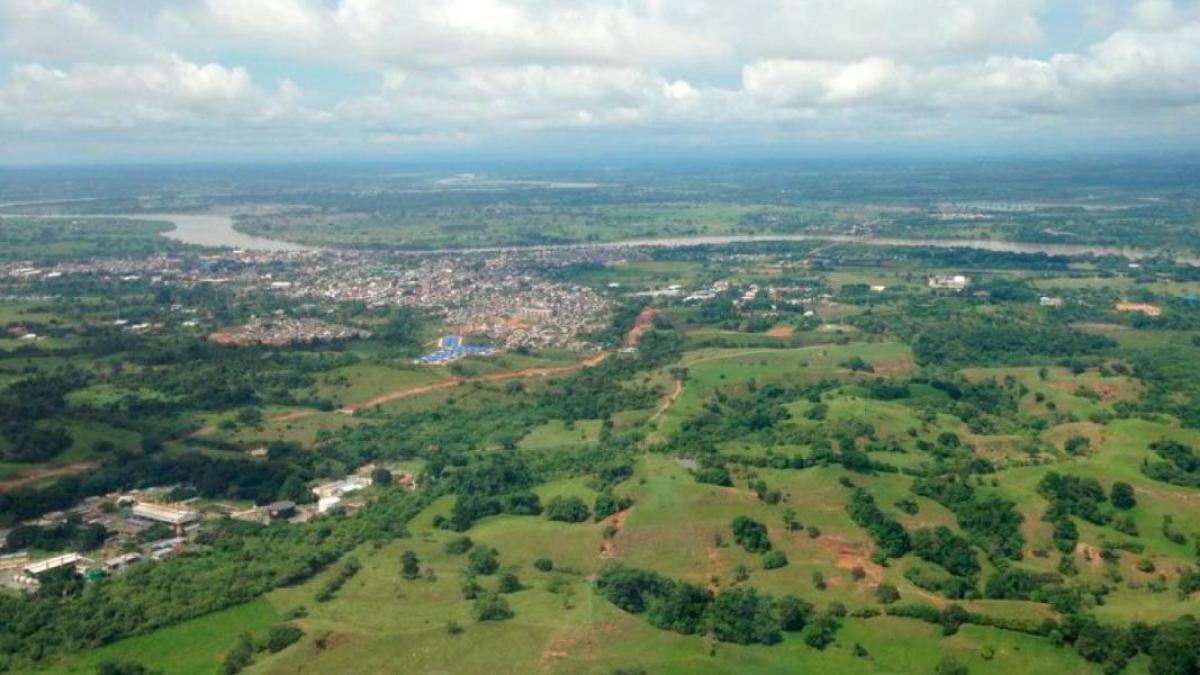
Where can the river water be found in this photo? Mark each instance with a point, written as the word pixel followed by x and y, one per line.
pixel 216 230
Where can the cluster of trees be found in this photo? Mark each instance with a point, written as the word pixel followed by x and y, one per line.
pixel 891 537
pixel 740 615
pixel 991 523
pixel 567 509
pixel 27 407
pixel 941 546
pixel 283 476
pixel 1181 465
pixel 750 534
pixel 985 339
pixel 1074 496
pixel 68 535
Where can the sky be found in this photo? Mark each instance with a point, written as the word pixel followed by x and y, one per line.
pixel 113 80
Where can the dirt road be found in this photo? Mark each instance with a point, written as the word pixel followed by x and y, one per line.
pixel 455 381
pixel 35 475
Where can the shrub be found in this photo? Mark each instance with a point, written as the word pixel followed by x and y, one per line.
pixel 774 560
pixel 543 564
pixel 280 636
pixel 483 560
pixel 458 545
pixel 509 582
pixel 887 593
pixel 492 607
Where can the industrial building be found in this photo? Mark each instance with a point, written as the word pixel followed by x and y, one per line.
pixel 165 514
pixel 341 488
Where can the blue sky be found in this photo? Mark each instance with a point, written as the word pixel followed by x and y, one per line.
pixel 105 80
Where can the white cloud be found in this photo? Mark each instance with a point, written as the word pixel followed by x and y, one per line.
pixel 169 91
pixel 465 71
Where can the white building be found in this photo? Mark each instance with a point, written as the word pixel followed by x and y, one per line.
pixel 953 282
pixel 341 488
pixel 165 514
pixel 31 571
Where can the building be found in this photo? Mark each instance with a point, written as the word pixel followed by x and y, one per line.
pixel 29 574
pixel 341 488
pixel 121 562
pixel 165 514
pixel 281 509
pixel 950 282
pixel 325 504
pixel 1050 301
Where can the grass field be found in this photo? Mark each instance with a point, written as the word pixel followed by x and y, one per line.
pixel 381 623
pixel 195 646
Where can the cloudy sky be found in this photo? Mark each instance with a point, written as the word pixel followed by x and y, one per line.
pixel 89 80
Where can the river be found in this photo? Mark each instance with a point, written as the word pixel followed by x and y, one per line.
pixel 216 230
pixel 213 229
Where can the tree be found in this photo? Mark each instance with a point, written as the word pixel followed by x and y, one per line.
pixel 750 534
pixel 744 616
pixel 887 593
pixel 1066 535
pixel 240 656
pixel 483 560
pixel 509 582
pixel 1122 496
pixel 381 476
pixel 820 633
pixel 793 613
pixel 567 509
pixel 491 607
pixel 410 566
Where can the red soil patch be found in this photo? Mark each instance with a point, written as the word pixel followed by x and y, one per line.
pixel 780 331
pixel 641 324
pixel 1090 554
pixel 589 635
pixel 848 557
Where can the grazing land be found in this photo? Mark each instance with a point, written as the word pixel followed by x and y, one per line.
pixel 753 457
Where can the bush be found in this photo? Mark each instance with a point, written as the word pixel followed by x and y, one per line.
pixel 483 560
pixel 887 593
pixel 410 566
pixel 948 666
pixel 607 504
pixel 458 545
pixel 280 636
pixel 774 560
pixel 492 607
pixel 543 564
pixel 509 582
pixel 821 633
